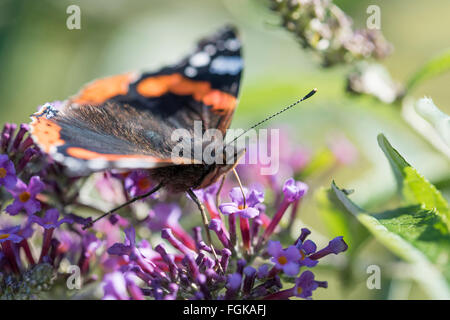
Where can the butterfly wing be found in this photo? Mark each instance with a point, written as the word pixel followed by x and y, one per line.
pixel 126 121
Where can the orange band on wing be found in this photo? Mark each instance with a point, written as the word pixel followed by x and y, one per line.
pixel 101 90
pixel 46 133
pixel 220 101
pixel 157 86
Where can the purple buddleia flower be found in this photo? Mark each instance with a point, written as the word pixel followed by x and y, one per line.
pixel 252 199
pixel 263 271
pixel 335 246
pixel 49 222
pixel 27 230
pixel 234 282
pixel 7 134
pixel 11 234
pixel 138 183
pixel 146 250
pixel 50 219
pixel 285 259
pixel 23 129
pixel 209 193
pixel 128 246
pixel 305 285
pixel 307 248
pixel 8 176
pixel 294 190
pixel 25 196
pixel 208 197
pixel 133 252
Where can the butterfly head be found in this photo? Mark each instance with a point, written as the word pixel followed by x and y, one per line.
pixel 216 170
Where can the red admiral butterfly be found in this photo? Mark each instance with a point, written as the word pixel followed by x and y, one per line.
pixel 126 121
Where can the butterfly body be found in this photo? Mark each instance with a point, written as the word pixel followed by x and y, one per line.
pixel 126 121
pixel 184 177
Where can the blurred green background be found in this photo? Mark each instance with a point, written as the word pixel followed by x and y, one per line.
pixel 41 60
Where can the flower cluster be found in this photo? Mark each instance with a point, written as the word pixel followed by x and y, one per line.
pixel 323 27
pixel 43 213
pixel 249 266
pixel 30 190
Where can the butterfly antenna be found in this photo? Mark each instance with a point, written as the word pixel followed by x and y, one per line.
pixel 309 95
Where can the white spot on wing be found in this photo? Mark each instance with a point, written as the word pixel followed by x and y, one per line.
pixel 190 72
pixel 210 49
pixel 232 44
pixel 200 59
pixel 226 65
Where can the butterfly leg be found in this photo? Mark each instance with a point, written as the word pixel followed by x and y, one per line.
pixel 123 205
pixel 240 185
pixel 205 225
pixel 222 182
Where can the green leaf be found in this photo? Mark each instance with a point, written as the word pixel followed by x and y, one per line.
pixel 411 234
pixel 416 190
pixel 432 68
pixel 395 159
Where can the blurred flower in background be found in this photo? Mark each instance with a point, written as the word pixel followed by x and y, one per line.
pixel 323 27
